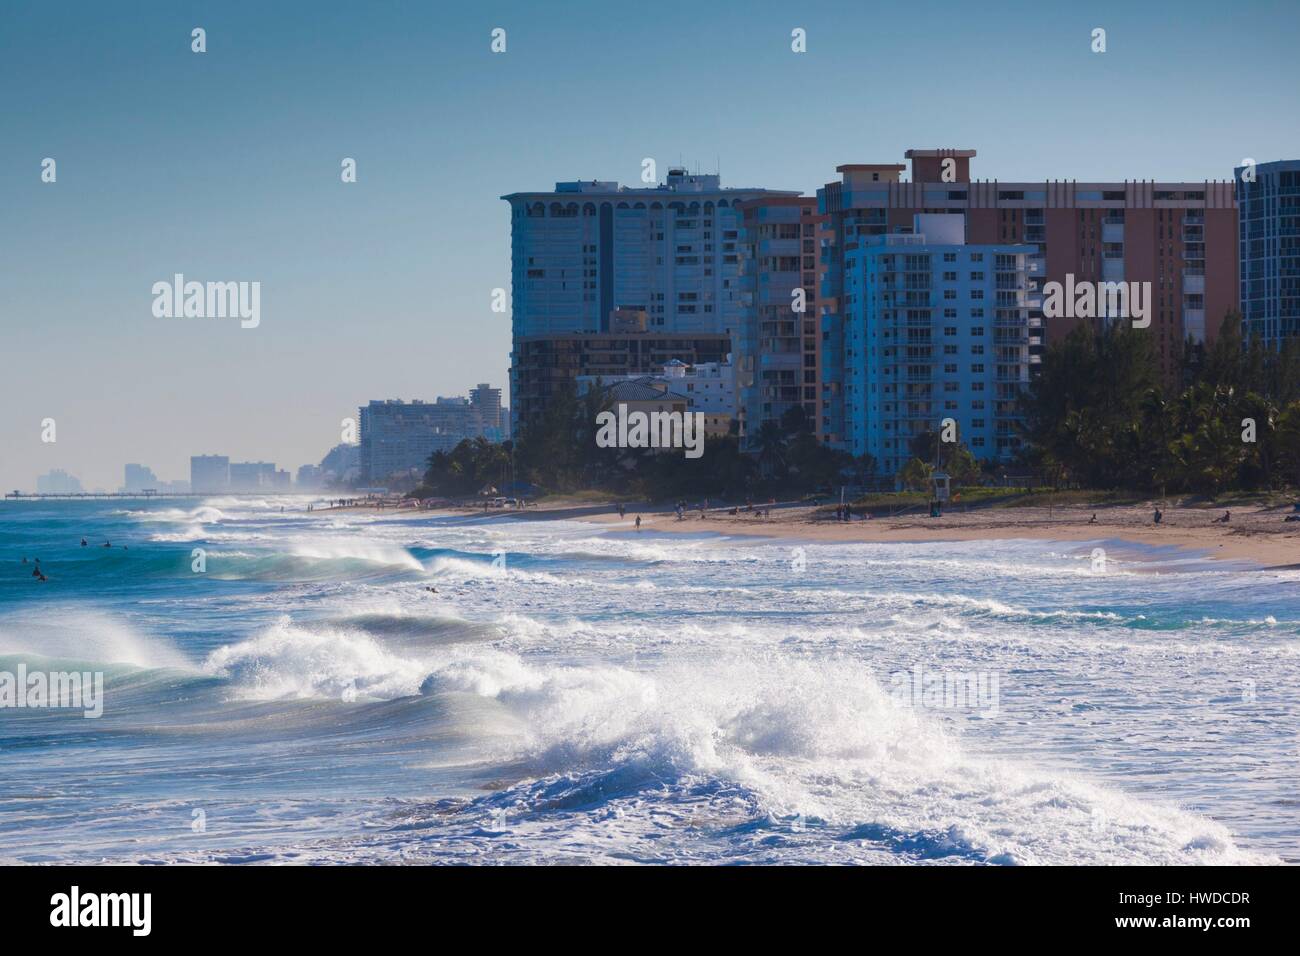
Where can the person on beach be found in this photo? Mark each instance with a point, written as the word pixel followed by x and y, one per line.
pixel 638 522
pixel 1093 519
pixel 1159 514
pixel 1227 517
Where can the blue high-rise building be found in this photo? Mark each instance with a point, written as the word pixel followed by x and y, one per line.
pixel 1268 215
pixel 935 329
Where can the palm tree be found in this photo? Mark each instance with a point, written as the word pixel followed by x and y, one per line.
pixel 769 441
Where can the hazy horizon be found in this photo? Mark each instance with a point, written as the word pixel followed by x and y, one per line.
pixel 225 166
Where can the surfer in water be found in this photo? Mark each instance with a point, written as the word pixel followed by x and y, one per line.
pixel 83 542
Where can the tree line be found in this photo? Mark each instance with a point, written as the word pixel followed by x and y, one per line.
pixel 1098 415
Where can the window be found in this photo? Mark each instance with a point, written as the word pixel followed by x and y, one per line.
pixel 977 369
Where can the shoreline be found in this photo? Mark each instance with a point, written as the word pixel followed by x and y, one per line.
pixel 1249 537
pixel 1255 534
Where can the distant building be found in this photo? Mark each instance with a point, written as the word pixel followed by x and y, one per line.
pixel 310 477
pixel 178 487
pixel 488 401
pixel 209 474
pixel 398 437
pixel 139 478
pixel 341 465
pixel 251 475
pixel 58 482
pixel 1268 213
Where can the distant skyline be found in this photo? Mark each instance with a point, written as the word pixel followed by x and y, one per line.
pixel 225 166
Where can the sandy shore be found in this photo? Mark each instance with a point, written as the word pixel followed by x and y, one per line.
pixel 1254 534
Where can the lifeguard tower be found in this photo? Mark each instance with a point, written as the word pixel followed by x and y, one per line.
pixel 938 492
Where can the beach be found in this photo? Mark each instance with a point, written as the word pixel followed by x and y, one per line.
pixel 1254 534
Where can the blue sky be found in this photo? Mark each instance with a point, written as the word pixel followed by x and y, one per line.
pixel 225 166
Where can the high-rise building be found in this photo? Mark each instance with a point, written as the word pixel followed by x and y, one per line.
pixel 1268 212
pixel 252 475
pixel 209 474
pixel 1179 237
pixel 487 400
pixel 58 482
pixel 310 477
pixel 398 437
pixel 137 478
pixel 935 329
pixel 648 274
pixel 776 339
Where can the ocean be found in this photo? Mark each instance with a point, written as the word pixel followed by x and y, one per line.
pixel 579 693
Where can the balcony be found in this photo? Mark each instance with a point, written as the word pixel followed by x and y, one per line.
pixel 1193 284
pixel 1112 270
pixel 1112 232
pixel 778 247
pixel 1194 324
